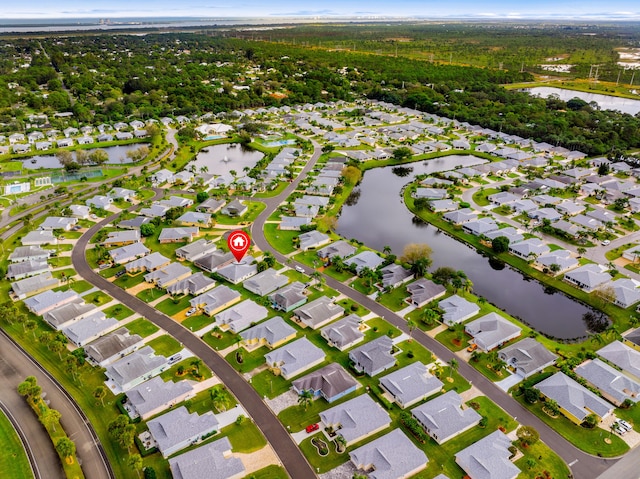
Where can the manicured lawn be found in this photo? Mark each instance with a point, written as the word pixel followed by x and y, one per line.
pixel 480 196
pixel 485 365
pixel 417 316
pixel 351 307
pixel 149 295
pixel 59 261
pixel 202 402
pixel 363 286
pixel 142 327
pixel 98 298
pixel 110 272
pixel 189 368
pixel 127 281
pixel 297 418
pixel 275 192
pixel 550 462
pixel 322 463
pixel 269 472
pixel 453 340
pixel 589 440
pixel 341 276
pixel 224 340
pixel 80 286
pixel 165 345
pixel 378 327
pixel 118 311
pixel 631 415
pixel 255 208
pixel 13 460
pixel 412 351
pixel 245 437
pixel 170 307
pixel 395 299
pixel 269 385
pixel 250 361
pixel 64 272
pixel 197 322
pixel 280 240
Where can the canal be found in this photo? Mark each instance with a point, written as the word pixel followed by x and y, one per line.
pixel 379 217
pixel 605 102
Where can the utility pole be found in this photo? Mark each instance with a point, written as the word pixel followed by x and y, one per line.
pixel 632 75
pixel 618 80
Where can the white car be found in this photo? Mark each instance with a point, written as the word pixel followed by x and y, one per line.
pixel 191 311
pixel 299 269
pixel 606 243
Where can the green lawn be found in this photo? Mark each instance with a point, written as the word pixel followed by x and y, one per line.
pixel 142 326
pixel 245 437
pixel 127 281
pixel 412 351
pixel 170 306
pixel 269 385
pixel 323 463
pixel 110 272
pixel 269 472
pixel 59 261
pixel 279 239
pixel 275 192
pixel 450 339
pixel 395 299
pixel 255 208
pixel 297 418
pixel 220 340
pixel 351 307
pixel 98 298
pixel 165 345
pixel 118 311
pixel 197 322
pixel 485 365
pixel 80 286
pixel 189 371
pixel 480 196
pixel 149 295
pixel 250 360
pixel 589 440
pixel 202 402
pixel 13 460
pixel 550 462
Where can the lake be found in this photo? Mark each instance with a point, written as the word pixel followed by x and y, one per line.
pixel 221 159
pixel 379 217
pixel 117 155
pixel 606 102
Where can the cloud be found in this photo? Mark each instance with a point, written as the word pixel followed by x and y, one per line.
pixel 304 13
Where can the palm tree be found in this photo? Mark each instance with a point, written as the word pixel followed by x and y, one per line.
pixel 386 250
pixel 218 398
pixel 453 366
pixel 305 399
pixel 31 326
pixel 50 418
pixel 135 463
pixel 411 324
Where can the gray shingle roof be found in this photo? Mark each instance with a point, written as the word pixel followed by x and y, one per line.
pixel 572 397
pixel 265 282
pixel 424 290
pixel 488 458
pixel 443 418
pixel 236 272
pixel 134 365
pixel 411 383
pixel 456 309
pixel 271 330
pixel 356 418
pixel 295 357
pixel 27 286
pixel 331 380
pixel 289 296
pixel 58 317
pixel 112 344
pixel 241 315
pixel 155 392
pixel 366 259
pixel 210 460
pixel 343 332
pixel 318 312
pixel 195 250
pixel 214 299
pixel 609 381
pixel 89 327
pixel 392 455
pixel 374 357
pixel 339 248
pixel 626 358
pixel 167 274
pixel 185 233
pixel 194 284
pixel 126 253
pixel 180 426
pixel 148 263
pixel 527 356
pixel 491 330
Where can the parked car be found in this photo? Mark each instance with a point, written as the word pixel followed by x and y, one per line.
pixel 312 427
pixel 606 243
pixel 625 423
pixel 299 269
pixel 121 273
pixel 190 312
pixel 472 347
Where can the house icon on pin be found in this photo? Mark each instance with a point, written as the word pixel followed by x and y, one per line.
pixel 238 242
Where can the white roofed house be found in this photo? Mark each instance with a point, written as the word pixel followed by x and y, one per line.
pixel 331 382
pixel 80 211
pixel 215 300
pixel 49 300
pixel 147 263
pixel 155 395
pixel 112 346
pixel 624 356
pixel 58 223
pixel 89 328
pixel 122 238
pixel 193 218
pixel 456 309
pixel 122 194
pixel 444 417
pixel 528 249
pixel 288 297
pixel 373 357
pixel 271 333
pixel 168 275
pixel 237 272
pixel 64 315
pixel 491 331
pixel 134 369
pixel 33 284
pixel 626 292
pixel 194 284
pixel 17 271
pixel 356 419
pixel 424 291
pixel 211 460
pixel 39 238
pixel 344 333
pixel 527 357
pixel 340 249
pixel 29 253
pixel 196 250
pixel 488 458
pixel 241 316
pixel 235 208
pixel 391 456
pixel 175 235
pixel 294 358
pixel 100 201
pixel 410 384
pixel 178 429
pixel 128 253
pixel 480 226
pixel 366 259
pixel 614 385
pixel 313 239
pixel 588 277
pixel 561 257
pixel 265 282
pixel 318 312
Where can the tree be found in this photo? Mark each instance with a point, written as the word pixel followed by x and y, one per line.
pixel 269 259
pixel 29 388
pixel 453 366
pixel 552 405
pixel 65 157
pixel 147 229
pixel 305 399
pixel 65 447
pixel 531 395
pixel 420 266
pixel 99 393
pixel 31 326
pixel 50 418
pixel 443 275
pixel 402 154
pixel 605 294
pixel 411 324
pixel 98 157
pixel 135 463
pixel 528 435
pixel 531 463
pixel 57 346
pixel 413 252
pixel 500 244
pixel 351 175
pixel 202 196
pixel 218 398
pixel 590 421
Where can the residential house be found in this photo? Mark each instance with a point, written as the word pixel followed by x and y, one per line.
pixel 39 238
pixel 331 382
pixel 215 300
pixel 17 271
pixel 161 177
pixel 632 339
pixel 58 223
pixel 235 208
pixel 211 460
pixel 623 356
pixel 424 291
pixel 313 239
pixel 431 193
pixel 545 214
pixel 100 202
pixel 122 194
pixel 356 419
pixel 64 315
pixel 626 292
pixel 194 218
pixel 265 282
pixel 440 206
pixel 211 262
pixel 488 458
pixel 196 250
pixel 194 284
pixel 560 257
pixel 29 253
pixel 445 417
pixel 112 346
pixel 155 395
pixel 48 300
pixel 392 456
pixel 178 429
pixel 80 211
pixel 271 333
pixel 480 226
pixel 89 328
pixel 589 224
pixel 134 223
pixel 632 254
pixel 33 284
pixel 570 208
pixel 366 259
pixel 241 316
pixel 393 275
pixel 318 312
pixel 135 368
pixel 175 235
pixel 237 272
pixel 340 249
pixel 128 253
pixel 575 401
pixel 614 385
pixel 294 358
pixel 122 238
pixel 210 205
pixel 344 333
pixel 509 232
pixel 528 249
pixel 588 277
pixel 410 384
pixel 289 297
pixel 147 263
pixel 293 223
pixel 502 198
pixel 491 331
pixel 527 357
pixel 168 275
pixel 456 309
pixel 373 357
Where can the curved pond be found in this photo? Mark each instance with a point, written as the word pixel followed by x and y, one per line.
pixel 221 159
pixel 117 155
pixel 379 217
pixel 605 102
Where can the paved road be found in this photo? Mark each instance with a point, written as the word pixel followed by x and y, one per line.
pixel 587 467
pixel 291 457
pixel 15 365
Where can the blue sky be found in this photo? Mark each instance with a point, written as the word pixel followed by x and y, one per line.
pixel 566 9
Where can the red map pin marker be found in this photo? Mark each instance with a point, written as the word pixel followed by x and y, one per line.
pixel 238 242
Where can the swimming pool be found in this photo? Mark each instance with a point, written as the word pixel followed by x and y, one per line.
pixel 212 137
pixel 280 143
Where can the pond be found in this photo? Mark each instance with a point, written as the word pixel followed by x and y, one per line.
pixel 605 102
pixel 117 155
pixel 221 159
pixel 379 217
